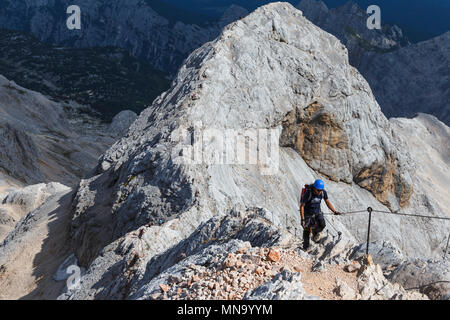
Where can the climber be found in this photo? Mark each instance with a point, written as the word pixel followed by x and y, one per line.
pixel 311 214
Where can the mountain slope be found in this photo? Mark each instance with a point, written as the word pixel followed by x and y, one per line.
pixel 429 139
pixel 108 79
pixel 46 141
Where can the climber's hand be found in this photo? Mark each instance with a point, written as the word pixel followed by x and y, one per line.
pixel 337 213
pixel 303 224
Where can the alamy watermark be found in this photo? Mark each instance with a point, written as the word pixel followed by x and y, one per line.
pixel 73 22
pixel 211 146
pixel 73 281
pixel 374 20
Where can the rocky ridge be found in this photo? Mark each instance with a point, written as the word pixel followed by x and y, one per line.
pixel 166 41
pixel 241 255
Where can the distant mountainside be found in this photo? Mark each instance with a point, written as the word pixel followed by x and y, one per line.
pixel 109 79
pixel 134 25
pixel 412 79
pixel 44 141
pixel 349 24
pixel 419 19
pixel 405 78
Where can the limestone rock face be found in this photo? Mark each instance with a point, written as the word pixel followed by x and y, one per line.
pixel 372 285
pixel 146 212
pixel 330 154
pixel 429 139
pixel 21 159
pixel 383 253
pixel 19 202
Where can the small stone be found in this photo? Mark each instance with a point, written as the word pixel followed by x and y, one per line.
pixel 350 268
pixel 318 267
pixel 195 278
pixel 298 269
pixel 164 287
pixel 344 291
pixel 259 271
pixel 273 256
pixel 156 296
pixel 241 250
pixel 230 261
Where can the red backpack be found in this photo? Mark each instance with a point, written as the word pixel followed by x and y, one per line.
pixel 306 188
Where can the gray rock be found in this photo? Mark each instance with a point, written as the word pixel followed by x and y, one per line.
pixel 138 182
pixel 383 253
pixel 430 277
pixel 344 291
pixel 19 202
pixel 284 286
pixel 372 285
pixel 349 24
pixel 318 266
pixel 142 216
pixel 63 272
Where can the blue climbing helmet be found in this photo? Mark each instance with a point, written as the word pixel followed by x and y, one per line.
pixel 319 185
